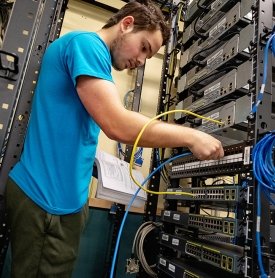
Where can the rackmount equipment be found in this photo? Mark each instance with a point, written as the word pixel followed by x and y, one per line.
pixel 225 256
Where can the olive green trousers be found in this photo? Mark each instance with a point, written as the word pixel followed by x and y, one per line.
pixel 42 244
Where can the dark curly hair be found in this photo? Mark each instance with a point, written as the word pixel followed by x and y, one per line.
pixel 147 16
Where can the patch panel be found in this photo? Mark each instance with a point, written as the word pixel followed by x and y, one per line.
pixel 231 54
pixel 224 256
pixel 220 195
pixel 232 85
pixel 231 22
pixel 179 268
pixel 235 160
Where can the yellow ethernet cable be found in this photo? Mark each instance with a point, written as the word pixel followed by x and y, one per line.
pixel 138 138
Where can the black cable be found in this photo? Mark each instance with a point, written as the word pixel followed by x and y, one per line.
pixel 205 212
pixel 202 36
pixel 175 49
pixel 227 212
pixel 211 106
pixel 204 110
pixel 207 234
pixel 214 73
pixel 200 63
pixel 214 182
pixel 206 9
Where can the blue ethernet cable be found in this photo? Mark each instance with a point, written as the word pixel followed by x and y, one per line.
pixel 270 44
pixel 130 204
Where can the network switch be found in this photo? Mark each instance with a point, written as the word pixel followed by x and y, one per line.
pixel 223 225
pixel 230 114
pixel 193 9
pixel 219 195
pixel 223 256
pixel 233 115
pixel 202 24
pixel 230 23
pixel 231 54
pixel 179 268
pixel 231 85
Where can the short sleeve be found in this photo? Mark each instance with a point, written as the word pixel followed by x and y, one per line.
pixel 87 54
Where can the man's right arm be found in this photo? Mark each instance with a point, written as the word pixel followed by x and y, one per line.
pixel 102 101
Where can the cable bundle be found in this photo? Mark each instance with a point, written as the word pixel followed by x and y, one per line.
pixel 263 166
pixel 262 156
pixel 138 243
pixel 264 171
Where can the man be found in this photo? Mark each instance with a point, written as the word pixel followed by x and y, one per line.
pixel 75 97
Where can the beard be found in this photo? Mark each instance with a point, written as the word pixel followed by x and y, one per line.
pixel 115 50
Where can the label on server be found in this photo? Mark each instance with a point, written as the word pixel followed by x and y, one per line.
pixel 214 57
pixel 165 237
pixel 175 241
pixel 246 156
pixel 212 88
pixel 221 23
pixel 167 213
pixel 162 261
pixel 176 217
pixel 213 116
pixel 172 268
pixel 217 27
pixel 215 4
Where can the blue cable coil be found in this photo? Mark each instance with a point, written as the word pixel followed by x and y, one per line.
pixel 264 171
pixel 262 156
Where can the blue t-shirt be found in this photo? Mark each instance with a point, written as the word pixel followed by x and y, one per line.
pixel 55 168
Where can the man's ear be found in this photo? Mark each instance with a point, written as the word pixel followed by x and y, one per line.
pixel 127 24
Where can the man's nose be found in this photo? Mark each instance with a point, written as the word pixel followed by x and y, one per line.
pixel 141 61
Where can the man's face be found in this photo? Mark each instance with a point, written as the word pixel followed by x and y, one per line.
pixel 130 50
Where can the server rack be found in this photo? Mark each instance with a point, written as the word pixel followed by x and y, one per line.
pixel 220 75
pixel 22 49
pixel 165 100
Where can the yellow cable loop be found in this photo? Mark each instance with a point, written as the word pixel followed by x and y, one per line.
pixel 138 138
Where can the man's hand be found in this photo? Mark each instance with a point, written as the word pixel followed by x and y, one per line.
pixel 204 146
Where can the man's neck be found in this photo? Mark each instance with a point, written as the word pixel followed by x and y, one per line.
pixel 108 35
